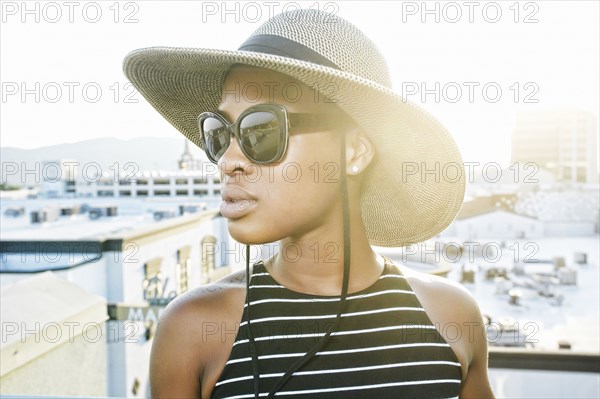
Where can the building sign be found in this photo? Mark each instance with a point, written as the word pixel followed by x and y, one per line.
pixel 143 312
pixel 154 289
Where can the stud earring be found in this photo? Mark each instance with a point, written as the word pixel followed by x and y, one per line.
pixel 355 169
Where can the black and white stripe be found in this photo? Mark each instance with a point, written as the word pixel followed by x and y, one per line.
pixel 385 347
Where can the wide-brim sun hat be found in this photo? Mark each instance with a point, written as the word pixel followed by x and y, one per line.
pixel 417 182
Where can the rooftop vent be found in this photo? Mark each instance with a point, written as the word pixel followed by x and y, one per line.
pixel 191 208
pixel 14 212
pixel 164 214
pixel 45 215
pixel 98 212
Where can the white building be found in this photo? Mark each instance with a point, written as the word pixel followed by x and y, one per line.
pixel 564 142
pixel 564 212
pixel 195 178
pixel 133 261
pixel 497 223
pixel 58 178
pixel 554 212
pixel 181 183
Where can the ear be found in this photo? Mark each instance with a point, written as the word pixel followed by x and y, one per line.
pixel 359 151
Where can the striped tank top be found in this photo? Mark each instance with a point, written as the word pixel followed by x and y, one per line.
pixel 385 346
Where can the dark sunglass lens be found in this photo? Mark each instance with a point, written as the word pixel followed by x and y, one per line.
pixel 261 136
pixel 216 137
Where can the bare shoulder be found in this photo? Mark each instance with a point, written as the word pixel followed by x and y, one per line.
pixel 213 302
pixel 456 315
pixel 452 309
pixel 444 292
pixel 188 346
pixel 200 302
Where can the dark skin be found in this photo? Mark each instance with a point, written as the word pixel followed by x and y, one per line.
pixel 196 332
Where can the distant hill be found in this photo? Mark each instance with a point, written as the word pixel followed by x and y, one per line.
pixel 149 153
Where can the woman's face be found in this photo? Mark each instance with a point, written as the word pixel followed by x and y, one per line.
pixel 297 197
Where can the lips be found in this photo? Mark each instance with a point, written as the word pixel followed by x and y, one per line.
pixel 237 202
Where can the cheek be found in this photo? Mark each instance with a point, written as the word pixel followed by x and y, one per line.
pixel 296 194
pixel 294 206
pixel 312 161
pixel 308 176
pixel 314 152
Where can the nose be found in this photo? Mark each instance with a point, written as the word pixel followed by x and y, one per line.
pixel 233 159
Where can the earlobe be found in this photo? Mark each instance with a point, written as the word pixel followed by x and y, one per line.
pixel 359 151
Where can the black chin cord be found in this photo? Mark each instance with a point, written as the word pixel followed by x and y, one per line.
pixel 310 354
pixel 251 343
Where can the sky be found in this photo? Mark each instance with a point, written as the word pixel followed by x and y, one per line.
pixel 474 65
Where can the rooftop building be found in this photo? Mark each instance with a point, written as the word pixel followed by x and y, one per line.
pixel 121 252
pixel 565 142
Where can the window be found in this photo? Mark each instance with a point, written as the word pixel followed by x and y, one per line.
pixel 182 269
pixel 208 247
pixel 153 288
pixel 152 267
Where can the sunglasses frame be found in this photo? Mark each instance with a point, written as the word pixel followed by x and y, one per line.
pixel 285 119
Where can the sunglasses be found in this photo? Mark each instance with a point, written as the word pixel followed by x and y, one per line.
pixel 261 131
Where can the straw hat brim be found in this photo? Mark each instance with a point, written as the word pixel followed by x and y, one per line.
pixel 417 183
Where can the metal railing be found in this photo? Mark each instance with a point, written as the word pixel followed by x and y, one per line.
pixel 533 359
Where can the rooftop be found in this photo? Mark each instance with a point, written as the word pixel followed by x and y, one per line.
pixel 133 216
pixel 576 319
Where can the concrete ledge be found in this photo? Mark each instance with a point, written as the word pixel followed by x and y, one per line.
pixel 43 312
pixel 531 359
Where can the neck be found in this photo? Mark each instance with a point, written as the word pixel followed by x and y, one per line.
pixel 314 264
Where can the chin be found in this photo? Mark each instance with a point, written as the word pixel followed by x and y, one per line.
pixel 246 234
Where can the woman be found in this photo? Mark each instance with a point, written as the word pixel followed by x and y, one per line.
pixel 318 154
